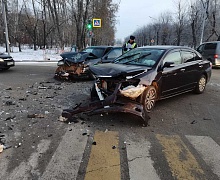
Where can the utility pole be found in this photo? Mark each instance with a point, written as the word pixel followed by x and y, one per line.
pixel 6 27
pixel 205 5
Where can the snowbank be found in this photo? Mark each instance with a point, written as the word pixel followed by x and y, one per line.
pixel 28 54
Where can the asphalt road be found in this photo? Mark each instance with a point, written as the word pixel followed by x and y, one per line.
pixel 182 140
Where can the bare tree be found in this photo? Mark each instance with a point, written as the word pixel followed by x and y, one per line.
pixel 180 21
pixel 194 19
pixel 166 21
pixel 212 13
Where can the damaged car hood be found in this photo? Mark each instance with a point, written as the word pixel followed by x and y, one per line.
pixel 77 57
pixel 113 70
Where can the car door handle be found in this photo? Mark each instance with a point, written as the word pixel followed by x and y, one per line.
pixel 182 70
pixel 201 66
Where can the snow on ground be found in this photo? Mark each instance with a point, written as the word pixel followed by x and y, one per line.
pixel 29 54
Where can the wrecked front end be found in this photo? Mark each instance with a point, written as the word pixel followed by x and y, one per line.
pixel 71 70
pixel 73 66
pixel 115 91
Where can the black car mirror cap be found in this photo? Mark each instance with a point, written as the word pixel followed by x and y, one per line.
pixel 168 64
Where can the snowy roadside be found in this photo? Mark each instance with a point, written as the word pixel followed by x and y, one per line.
pixel 28 55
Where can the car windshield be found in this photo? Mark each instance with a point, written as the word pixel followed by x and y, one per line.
pixel 140 56
pixel 99 52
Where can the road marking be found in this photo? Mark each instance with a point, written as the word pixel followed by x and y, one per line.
pixel 68 156
pixel 182 163
pixel 209 150
pixel 104 161
pixel 27 169
pixel 139 161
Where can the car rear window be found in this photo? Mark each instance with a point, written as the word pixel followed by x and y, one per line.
pixel 99 52
pixel 210 46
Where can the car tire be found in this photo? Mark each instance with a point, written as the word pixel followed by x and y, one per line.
pixel 93 94
pixel 200 86
pixel 149 98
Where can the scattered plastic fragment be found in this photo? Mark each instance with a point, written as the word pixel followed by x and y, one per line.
pixel 35 116
pixel 94 143
pixel 63 119
pixel 1 148
pixel 193 122
pixel 113 147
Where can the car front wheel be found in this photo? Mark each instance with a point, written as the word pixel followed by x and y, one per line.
pixel 200 87
pixel 149 98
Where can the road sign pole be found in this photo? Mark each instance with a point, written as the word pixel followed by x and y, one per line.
pixel 90 41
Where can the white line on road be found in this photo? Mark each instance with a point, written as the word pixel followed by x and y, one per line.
pixel 139 161
pixel 68 156
pixel 22 172
pixel 209 150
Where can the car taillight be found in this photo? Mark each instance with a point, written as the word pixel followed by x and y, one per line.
pixel 216 56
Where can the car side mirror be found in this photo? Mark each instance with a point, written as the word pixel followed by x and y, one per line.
pixel 168 64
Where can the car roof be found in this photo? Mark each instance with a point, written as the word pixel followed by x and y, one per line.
pixel 211 42
pixel 166 47
pixel 103 46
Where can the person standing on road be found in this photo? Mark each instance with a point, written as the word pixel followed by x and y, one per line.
pixel 131 44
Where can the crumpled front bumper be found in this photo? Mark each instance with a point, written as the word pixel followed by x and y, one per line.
pixel 65 71
pixel 110 104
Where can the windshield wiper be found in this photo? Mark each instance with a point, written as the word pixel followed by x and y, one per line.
pixel 118 60
pixel 137 58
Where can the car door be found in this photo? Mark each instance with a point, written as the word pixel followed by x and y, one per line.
pixel 112 54
pixel 191 68
pixel 172 76
pixel 208 51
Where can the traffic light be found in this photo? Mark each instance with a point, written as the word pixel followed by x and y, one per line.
pixel 89 25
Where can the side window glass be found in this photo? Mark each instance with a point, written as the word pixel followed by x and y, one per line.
pixel 200 48
pixel 218 48
pixel 173 57
pixel 210 46
pixel 115 53
pixel 188 56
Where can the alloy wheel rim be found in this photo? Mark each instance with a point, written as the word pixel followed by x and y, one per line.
pixel 150 99
pixel 202 84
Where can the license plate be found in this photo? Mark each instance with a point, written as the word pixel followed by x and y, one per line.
pixel 10 63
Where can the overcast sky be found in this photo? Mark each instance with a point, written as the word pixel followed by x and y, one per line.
pixel 135 13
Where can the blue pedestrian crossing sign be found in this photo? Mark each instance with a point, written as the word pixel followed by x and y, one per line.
pixel 96 22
